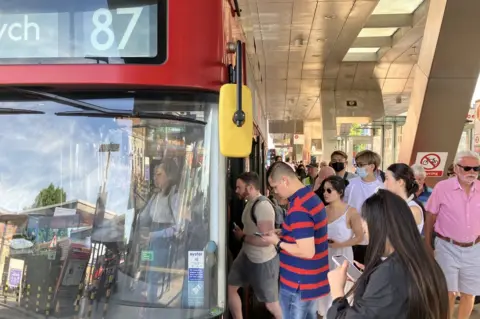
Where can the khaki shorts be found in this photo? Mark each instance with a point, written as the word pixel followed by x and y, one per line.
pixel 262 277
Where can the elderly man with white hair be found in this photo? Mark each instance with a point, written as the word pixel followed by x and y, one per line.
pixel 454 210
pixel 424 192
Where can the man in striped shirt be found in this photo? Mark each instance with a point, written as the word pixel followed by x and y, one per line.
pixel 303 247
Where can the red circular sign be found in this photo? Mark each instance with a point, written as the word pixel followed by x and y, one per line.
pixel 430 161
pixel 296 136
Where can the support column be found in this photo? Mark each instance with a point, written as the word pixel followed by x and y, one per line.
pixel 445 79
pixel 329 142
pixel 476 135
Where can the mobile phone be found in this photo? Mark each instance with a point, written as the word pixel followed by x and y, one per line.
pixel 352 272
pixel 258 234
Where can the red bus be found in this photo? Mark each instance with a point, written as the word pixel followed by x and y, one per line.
pixel 135 108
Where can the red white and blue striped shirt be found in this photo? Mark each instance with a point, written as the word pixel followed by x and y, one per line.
pixel 305 218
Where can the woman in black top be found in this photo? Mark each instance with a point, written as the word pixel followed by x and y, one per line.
pixel 401 280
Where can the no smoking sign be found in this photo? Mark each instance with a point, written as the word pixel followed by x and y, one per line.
pixel 432 162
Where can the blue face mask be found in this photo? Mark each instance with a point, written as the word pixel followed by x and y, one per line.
pixel 362 172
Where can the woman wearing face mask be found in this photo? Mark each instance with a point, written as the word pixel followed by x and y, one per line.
pixel 400 180
pixel 401 279
pixel 344 227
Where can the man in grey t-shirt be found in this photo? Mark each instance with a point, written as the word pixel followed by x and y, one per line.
pixel 339 162
pixel 257 264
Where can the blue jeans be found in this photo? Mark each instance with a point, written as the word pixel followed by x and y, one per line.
pixel 295 308
pixel 154 276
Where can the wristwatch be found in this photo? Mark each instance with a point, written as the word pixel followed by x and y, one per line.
pixel 277 246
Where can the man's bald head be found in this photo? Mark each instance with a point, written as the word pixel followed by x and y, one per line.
pixel 325 172
pixel 322 175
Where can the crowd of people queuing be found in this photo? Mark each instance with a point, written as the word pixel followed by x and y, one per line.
pixel 417 247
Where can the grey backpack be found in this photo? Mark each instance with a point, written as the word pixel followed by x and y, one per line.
pixel 280 212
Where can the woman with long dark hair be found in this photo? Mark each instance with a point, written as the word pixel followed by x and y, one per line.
pixel 400 180
pixel 401 279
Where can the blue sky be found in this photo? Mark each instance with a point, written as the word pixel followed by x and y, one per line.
pixel 39 150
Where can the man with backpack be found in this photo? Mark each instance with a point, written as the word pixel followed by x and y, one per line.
pixel 257 264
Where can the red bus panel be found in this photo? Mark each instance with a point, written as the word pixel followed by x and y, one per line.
pixel 194 53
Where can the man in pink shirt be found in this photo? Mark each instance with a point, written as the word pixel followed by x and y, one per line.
pixel 454 210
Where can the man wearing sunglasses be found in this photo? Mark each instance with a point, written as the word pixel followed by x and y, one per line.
pixel 454 213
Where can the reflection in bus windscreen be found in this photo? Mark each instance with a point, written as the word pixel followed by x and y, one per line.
pixel 73 30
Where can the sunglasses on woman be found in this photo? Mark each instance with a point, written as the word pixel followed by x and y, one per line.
pixel 328 190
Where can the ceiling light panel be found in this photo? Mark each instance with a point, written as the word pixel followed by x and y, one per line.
pixel 397 6
pixel 363 50
pixel 377 32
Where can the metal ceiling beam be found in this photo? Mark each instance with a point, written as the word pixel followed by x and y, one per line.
pixel 389 21
pixel 359 14
pixel 406 37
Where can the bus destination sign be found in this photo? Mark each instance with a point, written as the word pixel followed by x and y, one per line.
pixel 123 32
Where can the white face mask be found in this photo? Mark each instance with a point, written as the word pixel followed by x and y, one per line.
pixel 362 172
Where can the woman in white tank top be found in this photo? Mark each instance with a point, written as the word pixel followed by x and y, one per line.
pixel 344 228
pixel 399 179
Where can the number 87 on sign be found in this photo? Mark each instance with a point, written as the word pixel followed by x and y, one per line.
pixel 111 30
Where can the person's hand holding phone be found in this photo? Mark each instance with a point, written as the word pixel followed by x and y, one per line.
pixel 237 231
pixel 360 267
pixel 337 279
pixel 353 273
pixel 271 237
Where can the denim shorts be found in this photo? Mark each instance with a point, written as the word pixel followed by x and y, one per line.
pixel 295 308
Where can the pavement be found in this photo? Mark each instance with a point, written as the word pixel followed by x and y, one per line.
pixel 475 313
pixel 13 312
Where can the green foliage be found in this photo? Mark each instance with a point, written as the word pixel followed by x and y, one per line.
pixel 50 196
pixel 356 130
